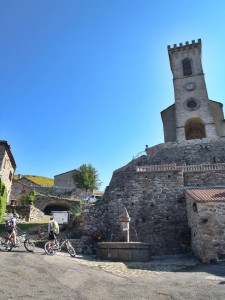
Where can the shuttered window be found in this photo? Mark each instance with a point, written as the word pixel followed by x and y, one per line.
pixel 187 70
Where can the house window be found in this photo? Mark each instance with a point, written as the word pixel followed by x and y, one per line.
pixel 10 175
pixel 194 207
pixel 16 191
pixel 187 70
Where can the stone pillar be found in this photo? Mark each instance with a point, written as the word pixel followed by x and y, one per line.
pixel 124 220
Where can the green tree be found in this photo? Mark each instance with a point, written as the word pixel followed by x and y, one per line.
pixel 28 200
pixel 86 177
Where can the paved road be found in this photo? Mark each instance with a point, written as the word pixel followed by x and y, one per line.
pixel 39 276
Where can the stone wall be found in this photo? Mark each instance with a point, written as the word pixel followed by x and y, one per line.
pixel 92 225
pixel 156 205
pixel 206 178
pixel 18 190
pixel 187 153
pixel 64 182
pixel 155 198
pixel 28 213
pixel 7 167
pixel 207 224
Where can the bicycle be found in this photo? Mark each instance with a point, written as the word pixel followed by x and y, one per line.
pixel 7 244
pixel 52 249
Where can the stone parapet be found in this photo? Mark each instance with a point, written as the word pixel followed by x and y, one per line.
pixel 175 167
pixel 187 45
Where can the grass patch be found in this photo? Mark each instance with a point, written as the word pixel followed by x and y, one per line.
pixel 27 226
pixel 42 181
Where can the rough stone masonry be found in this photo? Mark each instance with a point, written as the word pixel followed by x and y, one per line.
pixel 152 187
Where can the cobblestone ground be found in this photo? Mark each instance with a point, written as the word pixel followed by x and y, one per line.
pixel 157 265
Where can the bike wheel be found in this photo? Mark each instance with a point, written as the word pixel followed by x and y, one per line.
pixel 5 245
pixel 29 245
pixel 70 249
pixel 49 249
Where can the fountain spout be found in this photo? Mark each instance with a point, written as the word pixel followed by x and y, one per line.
pixel 125 225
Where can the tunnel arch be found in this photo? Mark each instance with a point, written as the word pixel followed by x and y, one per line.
pixel 56 207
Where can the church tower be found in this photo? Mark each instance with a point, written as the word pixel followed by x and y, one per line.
pixel 193 116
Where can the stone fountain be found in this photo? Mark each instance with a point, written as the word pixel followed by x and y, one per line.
pixel 124 251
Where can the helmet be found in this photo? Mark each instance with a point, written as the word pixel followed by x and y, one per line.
pixel 15 215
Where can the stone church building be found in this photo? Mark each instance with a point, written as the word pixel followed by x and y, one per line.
pixel 175 194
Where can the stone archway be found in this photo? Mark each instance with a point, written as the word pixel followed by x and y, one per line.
pixel 194 129
pixel 54 203
pixel 55 207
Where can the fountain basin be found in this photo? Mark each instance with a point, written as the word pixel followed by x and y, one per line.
pixel 123 251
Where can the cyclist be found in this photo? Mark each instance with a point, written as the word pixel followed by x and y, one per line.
pixel 11 227
pixel 53 230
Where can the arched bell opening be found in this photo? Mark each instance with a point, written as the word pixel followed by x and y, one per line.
pixel 194 129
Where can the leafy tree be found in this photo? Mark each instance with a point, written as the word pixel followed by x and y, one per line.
pixel 28 200
pixel 86 177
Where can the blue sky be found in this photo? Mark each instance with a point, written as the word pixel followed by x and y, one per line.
pixel 84 81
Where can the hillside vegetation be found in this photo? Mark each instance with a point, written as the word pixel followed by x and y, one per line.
pixel 43 181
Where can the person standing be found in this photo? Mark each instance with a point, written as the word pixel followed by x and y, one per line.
pixel 53 230
pixel 11 228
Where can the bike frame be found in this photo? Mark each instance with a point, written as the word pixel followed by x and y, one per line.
pixel 51 249
pixel 59 245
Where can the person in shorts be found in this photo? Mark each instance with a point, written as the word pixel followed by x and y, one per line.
pixel 53 230
pixel 11 228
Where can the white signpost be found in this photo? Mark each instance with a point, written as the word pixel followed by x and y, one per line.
pixel 61 217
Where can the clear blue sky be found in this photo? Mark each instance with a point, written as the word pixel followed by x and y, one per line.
pixel 84 81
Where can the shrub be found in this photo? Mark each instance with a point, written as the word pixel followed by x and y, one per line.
pixel 3 199
pixel 28 200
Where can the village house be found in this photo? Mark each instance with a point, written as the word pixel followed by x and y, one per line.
pixel 7 167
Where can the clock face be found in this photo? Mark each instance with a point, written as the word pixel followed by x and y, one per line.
pixel 190 86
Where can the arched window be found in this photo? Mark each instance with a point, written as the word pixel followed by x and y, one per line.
pixel 187 70
pixel 194 129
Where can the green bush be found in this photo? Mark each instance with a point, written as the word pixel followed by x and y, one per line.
pixel 3 199
pixel 28 200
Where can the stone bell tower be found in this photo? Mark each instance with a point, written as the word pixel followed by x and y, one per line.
pixel 193 116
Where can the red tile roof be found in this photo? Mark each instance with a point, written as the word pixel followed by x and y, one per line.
pixel 207 195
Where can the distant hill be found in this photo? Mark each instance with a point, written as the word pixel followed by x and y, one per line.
pixel 43 181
